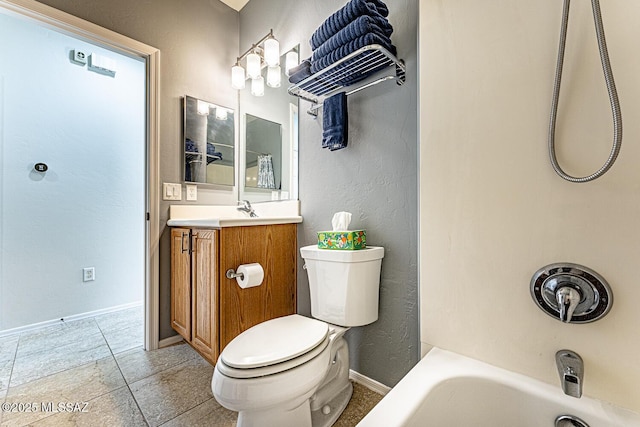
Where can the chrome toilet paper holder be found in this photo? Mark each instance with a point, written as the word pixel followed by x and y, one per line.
pixel 231 274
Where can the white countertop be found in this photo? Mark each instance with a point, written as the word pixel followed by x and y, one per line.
pixel 231 222
pixel 214 216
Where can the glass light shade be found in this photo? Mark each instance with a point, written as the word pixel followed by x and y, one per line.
pixel 237 77
pixel 221 113
pixel 257 86
pixel 291 61
pixel 272 52
pixel 203 108
pixel 273 76
pixel 253 65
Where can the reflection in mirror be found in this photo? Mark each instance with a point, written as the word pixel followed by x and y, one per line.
pixel 264 153
pixel 269 126
pixel 209 141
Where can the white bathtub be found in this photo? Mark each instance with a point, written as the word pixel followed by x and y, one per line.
pixel 445 389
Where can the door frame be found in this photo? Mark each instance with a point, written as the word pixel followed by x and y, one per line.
pixel 71 25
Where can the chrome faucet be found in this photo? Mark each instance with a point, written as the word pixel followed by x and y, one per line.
pixel 568 299
pixel 571 371
pixel 246 207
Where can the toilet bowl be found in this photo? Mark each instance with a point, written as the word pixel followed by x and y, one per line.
pixel 294 370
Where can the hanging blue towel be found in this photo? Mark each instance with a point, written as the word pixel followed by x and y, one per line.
pixel 335 122
pixel 358 28
pixel 344 16
pixel 352 46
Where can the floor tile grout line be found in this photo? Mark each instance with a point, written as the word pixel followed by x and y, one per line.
pixel 126 383
pixel 13 364
pixel 182 413
pixel 57 372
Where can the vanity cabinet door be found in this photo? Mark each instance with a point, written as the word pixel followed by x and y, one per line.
pixel 275 247
pixel 204 297
pixel 181 282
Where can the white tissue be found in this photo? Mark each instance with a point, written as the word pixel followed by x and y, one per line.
pixel 340 221
pixel 252 275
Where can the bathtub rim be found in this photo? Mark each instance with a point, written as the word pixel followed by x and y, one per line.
pixel 440 365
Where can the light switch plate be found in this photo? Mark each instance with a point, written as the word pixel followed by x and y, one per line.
pixel 171 191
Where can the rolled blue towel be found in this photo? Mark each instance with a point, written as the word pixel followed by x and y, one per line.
pixel 361 26
pixel 190 146
pixel 212 154
pixel 344 16
pixel 352 46
pixel 301 72
pixel 335 122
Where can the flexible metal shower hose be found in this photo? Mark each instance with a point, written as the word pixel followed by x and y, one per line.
pixel 611 88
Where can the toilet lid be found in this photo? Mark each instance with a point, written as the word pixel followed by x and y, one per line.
pixel 274 341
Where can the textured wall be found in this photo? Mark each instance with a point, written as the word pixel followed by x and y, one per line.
pixel 375 178
pixel 198 42
pixel 492 209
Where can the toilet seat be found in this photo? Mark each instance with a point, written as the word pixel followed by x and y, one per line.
pixel 274 346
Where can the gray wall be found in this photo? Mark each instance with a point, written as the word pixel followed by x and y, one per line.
pixel 375 178
pixel 198 42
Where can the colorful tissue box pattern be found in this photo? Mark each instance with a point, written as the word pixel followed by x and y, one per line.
pixel 342 240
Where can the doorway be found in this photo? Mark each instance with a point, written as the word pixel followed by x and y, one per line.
pixel 78 222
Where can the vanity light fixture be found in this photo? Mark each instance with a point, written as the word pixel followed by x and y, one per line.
pixel 237 76
pixel 257 86
pixel 254 65
pixel 272 51
pixel 221 113
pixel 273 76
pixel 291 61
pixel 203 108
pixel 266 52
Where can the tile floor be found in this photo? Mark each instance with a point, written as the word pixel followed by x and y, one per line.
pixel 97 370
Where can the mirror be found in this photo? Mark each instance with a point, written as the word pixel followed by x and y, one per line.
pixel 269 142
pixel 263 164
pixel 209 142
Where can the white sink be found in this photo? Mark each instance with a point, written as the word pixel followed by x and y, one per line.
pixel 213 216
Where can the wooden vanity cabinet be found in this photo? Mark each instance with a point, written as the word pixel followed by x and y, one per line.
pixel 208 309
pixel 194 311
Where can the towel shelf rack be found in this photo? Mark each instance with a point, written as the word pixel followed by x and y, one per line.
pixel 368 66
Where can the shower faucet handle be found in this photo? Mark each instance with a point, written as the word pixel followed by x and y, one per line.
pixel 568 299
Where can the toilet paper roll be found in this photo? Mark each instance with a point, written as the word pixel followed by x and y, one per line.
pixel 252 275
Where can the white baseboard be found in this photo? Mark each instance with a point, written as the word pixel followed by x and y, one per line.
pixel 170 341
pixel 372 385
pixel 80 316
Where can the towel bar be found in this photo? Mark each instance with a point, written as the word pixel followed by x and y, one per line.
pixel 373 59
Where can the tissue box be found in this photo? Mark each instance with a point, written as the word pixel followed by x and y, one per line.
pixel 342 240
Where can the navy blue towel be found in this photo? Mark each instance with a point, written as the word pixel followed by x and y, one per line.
pixel 190 146
pixel 212 154
pixel 352 46
pixel 344 16
pixel 301 72
pixel 362 25
pixel 335 122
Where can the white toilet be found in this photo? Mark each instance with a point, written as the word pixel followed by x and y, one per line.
pixel 293 371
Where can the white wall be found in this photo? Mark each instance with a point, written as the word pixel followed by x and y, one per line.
pixel 87 210
pixel 198 44
pixel 492 209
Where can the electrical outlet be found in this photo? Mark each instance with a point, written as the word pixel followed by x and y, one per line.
pixel 192 192
pixel 88 274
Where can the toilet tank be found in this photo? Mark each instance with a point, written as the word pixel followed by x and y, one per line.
pixel 344 285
